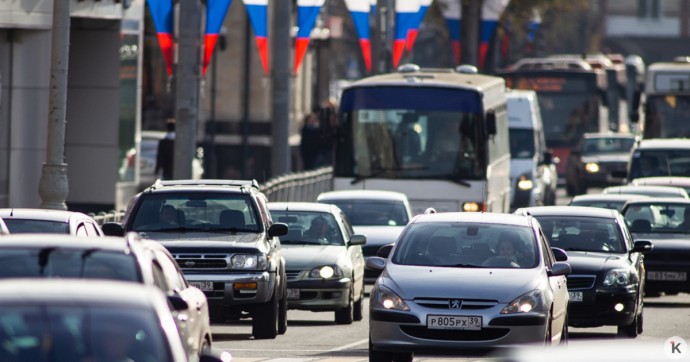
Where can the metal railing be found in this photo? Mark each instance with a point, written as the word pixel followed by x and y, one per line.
pixel 299 186
pixel 104 217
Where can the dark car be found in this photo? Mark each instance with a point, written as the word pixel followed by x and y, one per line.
pixel 324 259
pixel 224 240
pixel 127 259
pixel 599 160
pixel 666 222
pixel 606 285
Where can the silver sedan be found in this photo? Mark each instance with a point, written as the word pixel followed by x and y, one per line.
pixel 467 280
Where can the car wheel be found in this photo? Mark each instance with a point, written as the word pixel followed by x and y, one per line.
pixel 639 324
pixel 282 314
pixel 570 189
pixel 346 315
pixel 547 332
pixel 379 356
pixel 357 313
pixel 402 357
pixel 629 330
pixel 564 332
pixel 265 319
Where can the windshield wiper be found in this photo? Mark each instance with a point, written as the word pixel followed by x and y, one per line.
pixel 300 242
pixel 380 171
pixel 462 265
pixel 232 230
pixel 181 229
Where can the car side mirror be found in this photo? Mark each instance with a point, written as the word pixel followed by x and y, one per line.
pixel 559 268
pixel 277 229
pixel 642 246
pixel 384 251
pixel 560 254
pixel 178 304
pixel 376 263
pixel 113 229
pixel 358 239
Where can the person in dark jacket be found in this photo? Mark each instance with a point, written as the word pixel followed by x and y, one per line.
pixel 166 150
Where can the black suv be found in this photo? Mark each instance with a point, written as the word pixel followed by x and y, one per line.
pixel 222 236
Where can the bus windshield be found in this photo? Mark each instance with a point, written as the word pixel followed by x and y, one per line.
pixel 668 116
pixel 400 134
pixel 567 116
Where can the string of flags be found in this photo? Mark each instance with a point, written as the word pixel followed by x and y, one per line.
pixel 409 15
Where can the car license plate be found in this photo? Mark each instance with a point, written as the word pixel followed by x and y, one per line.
pixel 472 323
pixel 667 276
pixel 293 293
pixel 575 296
pixel 204 286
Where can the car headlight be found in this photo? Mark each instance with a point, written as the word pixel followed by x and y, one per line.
pixel 384 297
pixel 528 302
pixel 326 271
pixel 249 262
pixel 617 278
pixel 592 167
pixel 525 183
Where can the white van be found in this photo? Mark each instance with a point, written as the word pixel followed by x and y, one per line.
pixel 533 174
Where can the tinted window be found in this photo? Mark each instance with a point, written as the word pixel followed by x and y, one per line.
pixel 68 263
pixel 521 143
pixel 607 145
pixel 372 212
pixel 658 218
pixel 669 162
pixel 583 233
pixel 467 245
pixel 22 226
pixel 75 332
pixel 306 227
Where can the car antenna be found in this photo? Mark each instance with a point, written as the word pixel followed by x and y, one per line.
pixel 12 212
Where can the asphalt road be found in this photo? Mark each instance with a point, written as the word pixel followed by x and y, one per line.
pixel 315 336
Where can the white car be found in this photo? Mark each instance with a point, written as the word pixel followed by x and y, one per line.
pixel 380 215
pixel 448 284
pixel 20 221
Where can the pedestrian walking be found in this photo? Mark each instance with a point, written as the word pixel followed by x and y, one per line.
pixel 166 150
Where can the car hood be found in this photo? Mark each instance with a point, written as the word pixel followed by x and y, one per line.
pixel 308 256
pixel 191 240
pixel 663 243
pixel 609 157
pixel 592 262
pixel 503 285
pixel 379 235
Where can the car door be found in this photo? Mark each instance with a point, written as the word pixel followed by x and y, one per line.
pixel 354 252
pixel 559 286
pixel 195 320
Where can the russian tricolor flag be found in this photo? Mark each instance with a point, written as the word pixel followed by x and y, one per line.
pixel 452 12
pixel 215 14
pixel 307 12
pixel 360 16
pixel 491 12
pixel 414 30
pixel 373 7
pixel 162 13
pixel 258 10
pixel 406 13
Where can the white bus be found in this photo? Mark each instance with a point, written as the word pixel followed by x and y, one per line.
pixel 667 104
pixel 438 136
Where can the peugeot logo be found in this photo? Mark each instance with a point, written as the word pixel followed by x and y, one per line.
pixel 455 304
pixel 189 264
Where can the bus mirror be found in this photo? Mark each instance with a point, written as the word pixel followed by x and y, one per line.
pixel 491 123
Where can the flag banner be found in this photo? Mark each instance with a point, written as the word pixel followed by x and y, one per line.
pixel 215 14
pixel 405 16
pixel 373 7
pixel 491 12
pixel 452 12
pixel 258 16
pixel 307 12
pixel 414 30
pixel 360 16
pixel 162 13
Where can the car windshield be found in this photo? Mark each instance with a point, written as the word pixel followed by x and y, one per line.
pixel 468 245
pixel 662 162
pixel 185 212
pixel 308 227
pixel 521 143
pixel 607 145
pixel 78 332
pixel 372 212
pixel 572 233
pixel 23 226
pixel 663 218
pixel 54 262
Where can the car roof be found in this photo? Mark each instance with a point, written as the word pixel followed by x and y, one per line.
pixel 608 197
pixel 72 290
pixel 662 181
pixel 302 206
pixel 476 217
pixel 67 241
pixel 363 195
pixel 660 200
pixel 584 211
pixel 204 185
pixel 664 143
pixel 608 135
pixel 670 190
pixel 41 214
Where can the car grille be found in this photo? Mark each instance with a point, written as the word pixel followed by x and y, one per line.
pixel 202 261
pixel 581 281
pixel 465 304
pixel 485 334
pixel 292 274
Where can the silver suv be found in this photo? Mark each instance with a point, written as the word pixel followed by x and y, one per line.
pixel 224 240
